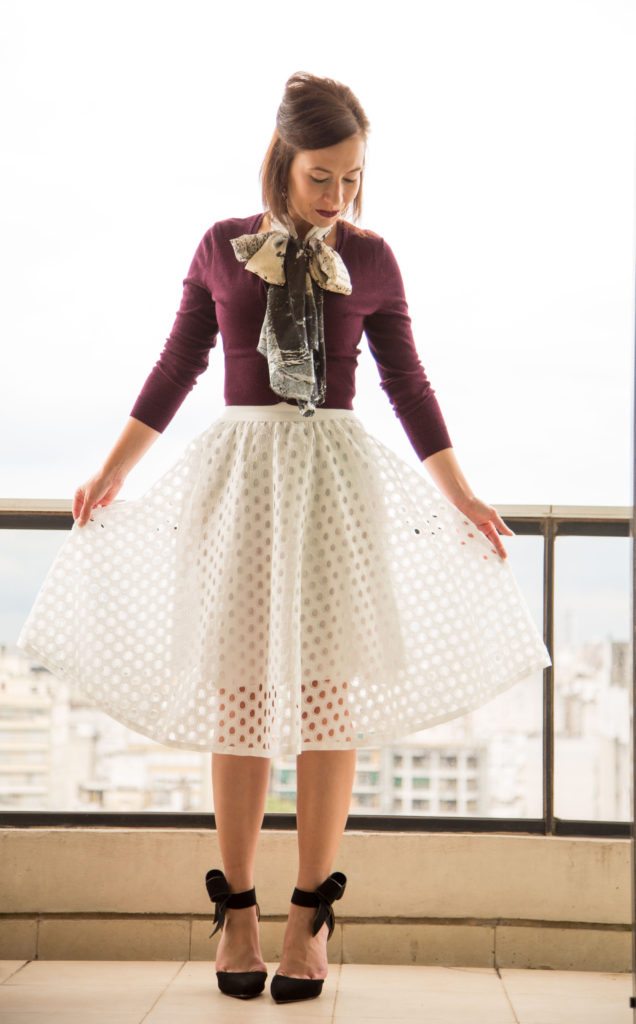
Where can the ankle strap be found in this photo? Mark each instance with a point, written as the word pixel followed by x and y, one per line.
pixel 331 889
pixel 219 892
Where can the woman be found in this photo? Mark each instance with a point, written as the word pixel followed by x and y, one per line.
pixel 290 584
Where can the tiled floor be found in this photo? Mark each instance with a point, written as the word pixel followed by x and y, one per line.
pixel 160 992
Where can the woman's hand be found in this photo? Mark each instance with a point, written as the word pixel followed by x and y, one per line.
pixel 487 519
pixel 100 489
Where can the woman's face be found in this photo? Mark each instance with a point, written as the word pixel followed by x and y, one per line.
pixel 323 182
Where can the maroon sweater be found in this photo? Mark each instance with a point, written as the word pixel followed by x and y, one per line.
pixel 219 294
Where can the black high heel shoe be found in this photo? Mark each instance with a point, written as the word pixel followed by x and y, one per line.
pixel 243 984
pixel 284 988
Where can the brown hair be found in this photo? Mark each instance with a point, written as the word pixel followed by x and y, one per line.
pixel 313 114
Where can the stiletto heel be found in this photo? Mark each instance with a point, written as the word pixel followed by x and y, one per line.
pixel 243 984
pixel 285 988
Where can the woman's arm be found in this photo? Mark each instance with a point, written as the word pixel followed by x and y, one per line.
pixel 103 487
pixel 446 472
pixel 390 336
pixel 186 352
pixel 134 440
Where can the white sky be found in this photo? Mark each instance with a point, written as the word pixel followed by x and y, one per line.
pixel 500 169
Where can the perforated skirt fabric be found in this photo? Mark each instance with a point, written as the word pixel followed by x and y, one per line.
pixel 289 584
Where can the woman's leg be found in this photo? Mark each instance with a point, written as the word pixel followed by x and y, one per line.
pixel 239 785
pixel 324 781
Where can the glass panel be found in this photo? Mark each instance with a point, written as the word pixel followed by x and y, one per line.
pixel 592 678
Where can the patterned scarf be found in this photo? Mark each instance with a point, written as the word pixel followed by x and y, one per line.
pixel 292 335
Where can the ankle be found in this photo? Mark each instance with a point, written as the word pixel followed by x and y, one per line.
pixel 296 908
pixel 310 883
pixel 239 884
pixel 241 915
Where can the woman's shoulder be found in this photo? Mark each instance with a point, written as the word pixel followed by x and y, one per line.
pixel 227 227
pixel 239 225
pixel 362 244
pixel 363 233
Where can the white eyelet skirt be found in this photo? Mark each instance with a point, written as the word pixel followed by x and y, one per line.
pixel 289 584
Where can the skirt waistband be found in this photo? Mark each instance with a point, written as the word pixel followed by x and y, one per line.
pixel 282 411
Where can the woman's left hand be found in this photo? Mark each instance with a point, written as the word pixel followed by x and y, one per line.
pixel 487 519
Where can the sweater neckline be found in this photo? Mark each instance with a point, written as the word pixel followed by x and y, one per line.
pixel 256 219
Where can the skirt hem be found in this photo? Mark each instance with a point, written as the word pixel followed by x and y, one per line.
pixel 373 739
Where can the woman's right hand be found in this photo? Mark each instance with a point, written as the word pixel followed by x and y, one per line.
pixel 100 489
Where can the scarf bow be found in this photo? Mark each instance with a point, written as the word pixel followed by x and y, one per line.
pixel 292 335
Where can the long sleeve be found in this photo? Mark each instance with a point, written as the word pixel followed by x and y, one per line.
pixel 185 354
pixel 390 336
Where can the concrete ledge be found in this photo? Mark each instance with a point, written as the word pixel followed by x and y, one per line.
pixel 452 899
